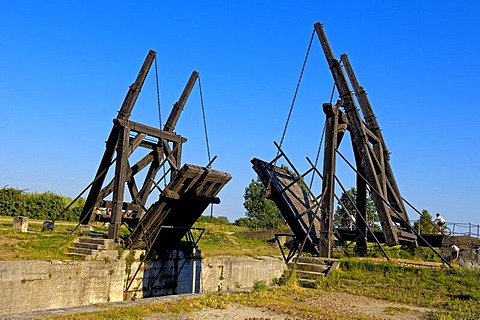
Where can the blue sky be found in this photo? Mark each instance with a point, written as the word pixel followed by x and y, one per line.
pixel 65 67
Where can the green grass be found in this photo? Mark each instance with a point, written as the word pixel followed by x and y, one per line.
pixel 454 291
pixel 395 310
pixel 218 239
pixel 34 245
pixel 226 239
pixel 394 252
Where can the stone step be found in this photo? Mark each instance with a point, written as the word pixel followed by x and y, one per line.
pixel 87 245
pixel 89 248
pixel 314 267
pixel 84 251
pixel 107 243
pixel 316 260
pixel 307 282
pixel 309 275
pixel 303 266
pixel 78 255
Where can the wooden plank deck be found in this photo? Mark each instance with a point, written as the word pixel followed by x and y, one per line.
pixel 181 203
pixel 292 201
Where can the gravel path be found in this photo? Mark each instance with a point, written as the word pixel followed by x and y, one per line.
pixel 338 304
pixel 333 305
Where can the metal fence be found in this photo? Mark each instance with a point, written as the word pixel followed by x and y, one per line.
pixel 464 229
pixel 459 229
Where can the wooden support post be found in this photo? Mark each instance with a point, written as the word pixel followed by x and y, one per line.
pixel 119 184
pixel 328 182
pixel 361 216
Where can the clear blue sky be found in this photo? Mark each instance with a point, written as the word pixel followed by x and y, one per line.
pixel 65 67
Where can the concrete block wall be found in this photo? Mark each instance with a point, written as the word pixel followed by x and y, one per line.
pixel 39 285
pixel 199 275
pixel 226 272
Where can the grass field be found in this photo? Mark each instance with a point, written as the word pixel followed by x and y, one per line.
pixel 450 293
pixel 34 244
pixel 218 239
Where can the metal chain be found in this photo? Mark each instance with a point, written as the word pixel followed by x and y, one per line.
pixel 204 119
pixel 318 152
pixel 159 114
pixel 205 129
pixel 333 91
pixel 321 140
pixel 291 109
pixel 158 95
pixel 296 90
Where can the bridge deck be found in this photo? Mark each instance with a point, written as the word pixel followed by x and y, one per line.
pixel 181 203
pixel 292 201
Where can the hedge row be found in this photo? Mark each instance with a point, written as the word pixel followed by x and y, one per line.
pixel 42 206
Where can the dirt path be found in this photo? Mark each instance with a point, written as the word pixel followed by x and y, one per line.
pixel 336 305
pixel 332 305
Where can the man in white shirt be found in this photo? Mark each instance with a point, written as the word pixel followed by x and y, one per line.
pixel 440 221
pixel 455 252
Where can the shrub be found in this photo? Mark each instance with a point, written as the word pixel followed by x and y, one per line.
pixel 288 278
pixel 212 219
pixel 12 202
pixel 42 206
pixel 245 222
pixel 259 285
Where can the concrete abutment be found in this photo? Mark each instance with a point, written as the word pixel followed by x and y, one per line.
pixel 35 285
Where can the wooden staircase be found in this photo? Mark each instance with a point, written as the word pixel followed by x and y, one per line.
pixel 88 248
pixel 310 269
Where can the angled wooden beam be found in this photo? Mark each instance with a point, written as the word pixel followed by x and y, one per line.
pixel 112 141
pixel 135 142
pixel 380 149
pixel 105 163
pixel 180 104
pixel 358 134
pixel 136 87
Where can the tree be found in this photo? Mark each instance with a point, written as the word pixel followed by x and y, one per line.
pixel 263 212
pixel 424 225
pixel 245 222
pixel 341 218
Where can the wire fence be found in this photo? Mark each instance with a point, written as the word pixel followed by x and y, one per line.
pixel 464 229
pixel 460 229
